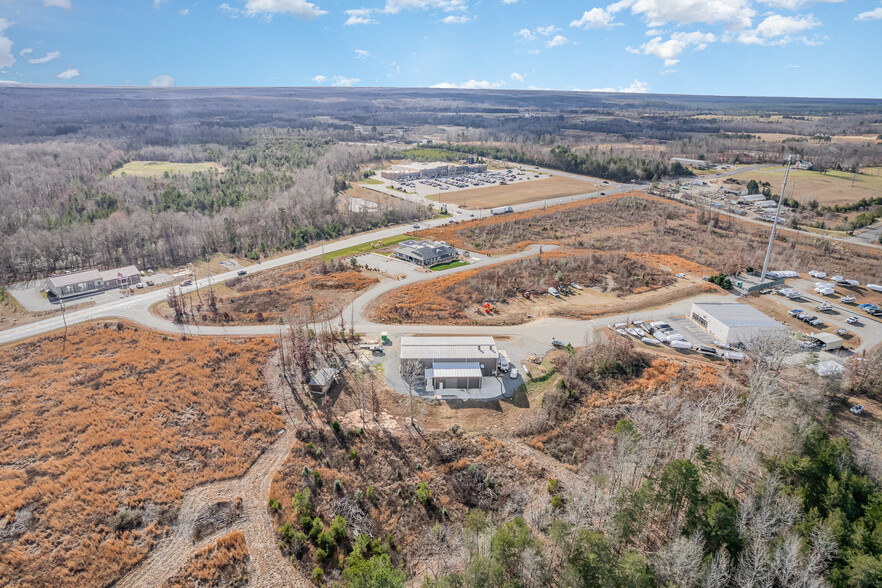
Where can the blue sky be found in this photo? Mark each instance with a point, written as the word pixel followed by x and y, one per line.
pixel 731 47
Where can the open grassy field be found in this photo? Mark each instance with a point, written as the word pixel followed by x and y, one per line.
pixel 833 187
pixel 101 435
pixel 222 563
pixel 153 169
pixel 365 247
pixel 530 191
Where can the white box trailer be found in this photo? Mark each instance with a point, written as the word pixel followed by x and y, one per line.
pixel 501 210
pixel 875 287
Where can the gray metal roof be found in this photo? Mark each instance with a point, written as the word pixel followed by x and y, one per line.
pixel 485 352
pixel 75 278
pixel 323 376
pixel 113 274
pixel 456 370
pixel 446 341
pixel 733 314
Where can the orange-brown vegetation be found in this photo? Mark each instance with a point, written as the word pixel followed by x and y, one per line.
pixel 638 222
pixel 573 222
pixel 313 289
pixel 458 297
pixel 222 564
pixel 101 434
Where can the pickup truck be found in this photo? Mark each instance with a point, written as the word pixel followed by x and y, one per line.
pixel 557 343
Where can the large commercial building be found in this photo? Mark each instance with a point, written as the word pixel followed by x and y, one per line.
pixel 90 281
pixel 453 362
pixel 733 323
pixel 425 253
pixel 406 172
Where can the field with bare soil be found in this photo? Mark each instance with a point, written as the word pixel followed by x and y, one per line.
pixel 223 564
pixel 313 289
pixel 519 193
pixel 101 434
pixel 518 288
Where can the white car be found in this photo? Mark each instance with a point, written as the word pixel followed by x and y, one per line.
pixel 513 374
pixel 851 320
pixel 857 409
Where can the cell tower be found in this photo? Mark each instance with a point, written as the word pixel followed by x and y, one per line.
pixel 775 224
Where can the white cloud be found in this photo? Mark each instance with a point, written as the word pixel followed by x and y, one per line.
pixel 45 59
pixel 455 19
pixel 162 81
pixel 396 6
pixel 516 76
pixel 509 1
pixel 341 82
pixel 184 12
pixel 269 8
pixel 596 18
pixel 58 3
pixel 736 14
pixel 470 85
pixel 795 4
pixel 9 82
pixel 158 3
pixel 525 35
pixel 319 79
pixel 636 87
pixel 68 74
pixel 875 14
pixel 546 31
pixel 362 54
pixel 779 30
pixel 359 16
pixel 671 49
pixel 6 56
pixel 557 41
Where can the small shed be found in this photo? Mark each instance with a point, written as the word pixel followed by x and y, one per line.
pixel 830 341
pixel 458 375
pixel 323 380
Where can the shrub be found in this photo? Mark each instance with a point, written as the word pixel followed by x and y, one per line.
pixel 335 424
pixel 302 502
pixel 274 505
pixel 423 494
pixel 338 486
pixel 369 492
pixel 557 501
pixel 553 486
pixel 353 455
pixel 320 555
pixel 317 478
pixel 338 529
pixel 317 574
pixel 325 541
pixel 127 520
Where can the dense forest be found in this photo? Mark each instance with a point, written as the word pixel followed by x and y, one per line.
pixel 61 208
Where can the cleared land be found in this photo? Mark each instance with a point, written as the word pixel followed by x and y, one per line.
pixel 313 289
pixel 151 169
pixel 519 193
pixel 518 289
pixel 636 222
pixel 101 435
pixel 833 187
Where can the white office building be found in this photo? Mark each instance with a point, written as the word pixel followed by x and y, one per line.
pixel 732 323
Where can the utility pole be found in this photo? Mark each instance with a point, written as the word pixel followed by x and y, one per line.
pixel 64 319
pixel 775 224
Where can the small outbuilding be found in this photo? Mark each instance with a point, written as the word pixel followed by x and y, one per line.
pixel 323 380
pixel 464 376
pixel 828 341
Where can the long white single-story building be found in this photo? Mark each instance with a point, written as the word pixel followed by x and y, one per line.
pixel 90 281
pixel 731 322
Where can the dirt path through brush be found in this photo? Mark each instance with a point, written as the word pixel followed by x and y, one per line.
pixel 267 566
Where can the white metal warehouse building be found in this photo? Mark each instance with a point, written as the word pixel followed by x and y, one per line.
pixel 731 322
pixel 453 362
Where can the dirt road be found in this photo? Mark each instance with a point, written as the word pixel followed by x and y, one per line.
pixel 267 567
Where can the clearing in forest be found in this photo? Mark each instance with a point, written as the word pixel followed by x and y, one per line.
pixel 518 193
pixel 101 434
pixel 829 188
pixel 155 169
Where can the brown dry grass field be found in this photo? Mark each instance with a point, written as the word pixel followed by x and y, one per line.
pixel 223 563
pixel 519 193
pixel 313 289
pixel 636 222
pixel 831 188
pixel 101 435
